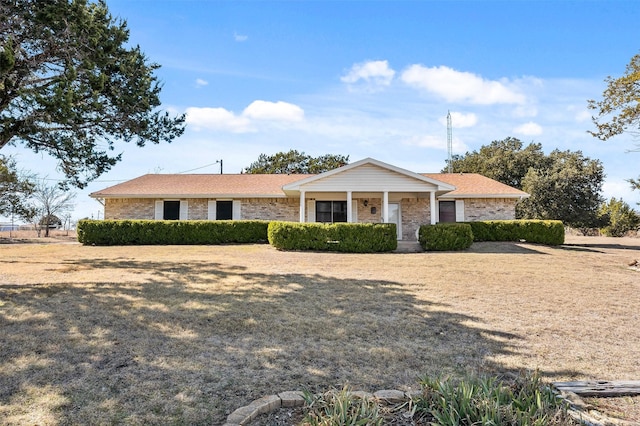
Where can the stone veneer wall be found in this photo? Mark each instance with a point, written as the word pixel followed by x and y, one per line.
pixel 270 209
pixel 489 209
pixel 129 208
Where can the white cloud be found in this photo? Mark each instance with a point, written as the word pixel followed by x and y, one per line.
pixel 457 86
pixel 371 75
pixel 460 120
pixel 221 119
pixel 217 119
pixel 274 111
pixel 240 37
pixel 200 82
pixel 529 129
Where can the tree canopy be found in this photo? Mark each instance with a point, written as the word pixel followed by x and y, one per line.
pixel 505 161
pixel 569 189
pixel 619 109
pixel 71 87
pixel 294 162
pixel 563 185
pixel 15 190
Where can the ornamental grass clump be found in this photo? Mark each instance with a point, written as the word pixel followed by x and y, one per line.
pixel 488 401
pixel 341 408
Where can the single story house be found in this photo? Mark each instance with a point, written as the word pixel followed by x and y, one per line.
pixel 367 191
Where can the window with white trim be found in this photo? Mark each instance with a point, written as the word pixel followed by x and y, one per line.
pixel 331 211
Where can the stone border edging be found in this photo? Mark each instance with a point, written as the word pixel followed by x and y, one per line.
pixel 578 409
pixel 245 415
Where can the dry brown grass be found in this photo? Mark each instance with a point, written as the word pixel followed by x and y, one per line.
pixel 184 335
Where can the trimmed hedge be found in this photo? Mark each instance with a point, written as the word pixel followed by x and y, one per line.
pixel 451 236
pixel 549 232
pixel 445 236
pixel 170 232
pixel 341 237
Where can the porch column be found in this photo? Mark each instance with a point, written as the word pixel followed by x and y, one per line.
pixel 302 205
pixel 385 207
pixel 432 205
pixel 349 207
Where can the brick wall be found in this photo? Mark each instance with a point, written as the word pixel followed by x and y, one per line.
pixel 271 209
pixel 489 209
pixel 415 212
pixel 129 208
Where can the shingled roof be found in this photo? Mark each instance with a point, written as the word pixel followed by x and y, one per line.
pixel 200 186
pixel 474 185
pixel 468 185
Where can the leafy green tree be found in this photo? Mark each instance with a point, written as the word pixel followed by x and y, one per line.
pixel 71 87
pixel 15 190
pixel 619 109
pixel 294 162
pixel 568 189
pixel 506 161
pixel 563 185
pixel 620 217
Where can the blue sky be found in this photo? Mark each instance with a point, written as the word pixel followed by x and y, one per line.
pixel 374 79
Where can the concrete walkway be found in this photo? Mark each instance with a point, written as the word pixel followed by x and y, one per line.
pixel 408 247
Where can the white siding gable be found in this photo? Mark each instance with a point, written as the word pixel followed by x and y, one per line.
pixel 368 177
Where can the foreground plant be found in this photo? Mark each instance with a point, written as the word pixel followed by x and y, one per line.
pixel 488 401
pixel 341 408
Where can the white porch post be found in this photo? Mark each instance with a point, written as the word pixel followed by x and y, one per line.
pixel 349 207
pixel 385 207
pixel 302 205
pixel 432 205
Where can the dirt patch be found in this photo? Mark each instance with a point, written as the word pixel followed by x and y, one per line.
pixel 167 334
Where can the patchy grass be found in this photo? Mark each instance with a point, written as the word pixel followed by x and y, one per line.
pixel 185 335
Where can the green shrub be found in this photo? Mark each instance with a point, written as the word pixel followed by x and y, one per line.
pixel 340 408
pixel 341 237
pixel 158 232
pixel 445 236
pixel 549 232
pixel 487 401
pixel 620 218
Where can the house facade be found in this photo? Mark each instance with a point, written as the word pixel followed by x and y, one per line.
pixel 367 191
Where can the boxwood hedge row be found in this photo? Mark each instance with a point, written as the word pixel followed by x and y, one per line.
pixel 340 237
pixel 459 236
pixel 550 232
pixel 169 232
pixel 445 236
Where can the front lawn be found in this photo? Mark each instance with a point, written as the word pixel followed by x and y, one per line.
pixel 185 335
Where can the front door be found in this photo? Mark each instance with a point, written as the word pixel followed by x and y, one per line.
pixel 394 217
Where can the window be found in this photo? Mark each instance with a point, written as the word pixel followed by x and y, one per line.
pixel 331 211
pixel 224 210
pixel 171 210
pixel 447 211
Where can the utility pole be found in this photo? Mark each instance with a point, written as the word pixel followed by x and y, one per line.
pixel 449 142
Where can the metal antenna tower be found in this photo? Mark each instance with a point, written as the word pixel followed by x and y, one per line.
pixel 449 142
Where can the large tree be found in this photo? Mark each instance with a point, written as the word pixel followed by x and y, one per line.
pixel 619 109
pixel 15 190
pixel 569 189
pixel 506 161
pixel 71 86
pixel 563 185
pixel 294 162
